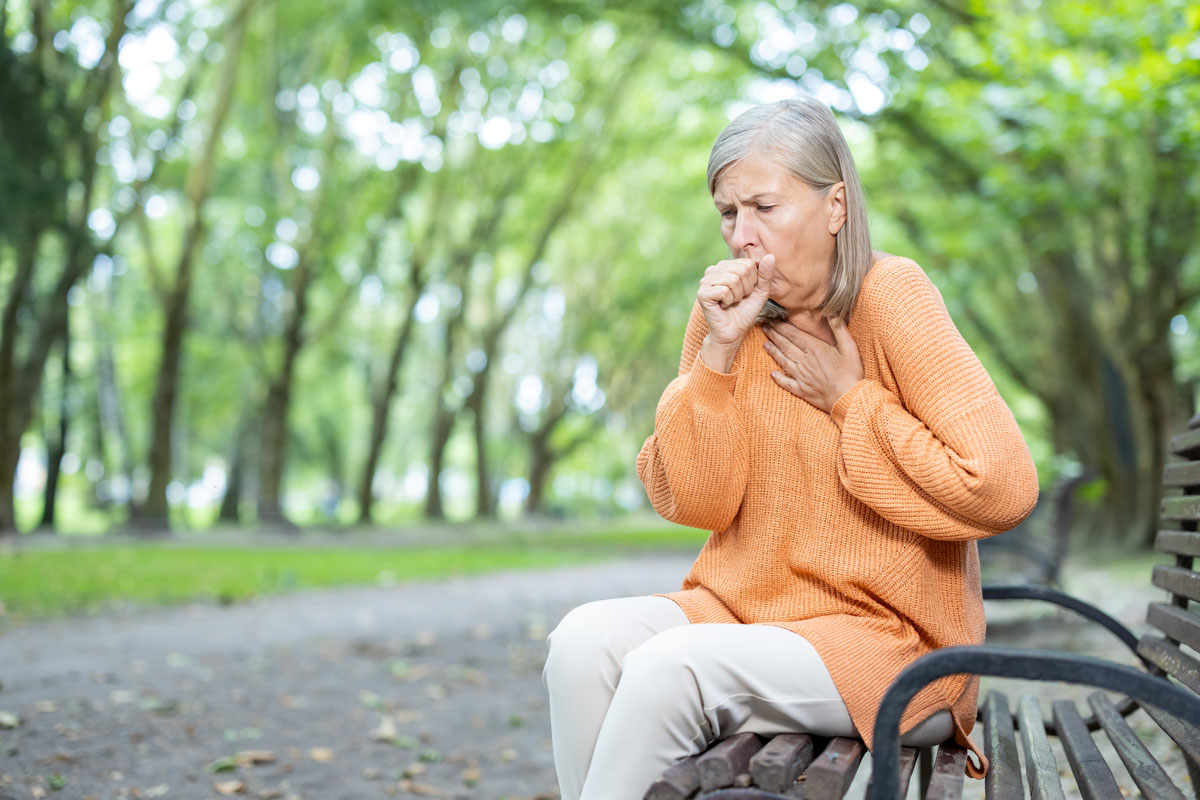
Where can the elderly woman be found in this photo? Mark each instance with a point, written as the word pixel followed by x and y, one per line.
pixel 836 434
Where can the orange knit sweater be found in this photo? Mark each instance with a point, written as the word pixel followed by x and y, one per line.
pixel 853 529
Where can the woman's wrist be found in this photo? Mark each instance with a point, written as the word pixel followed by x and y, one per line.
pixel 718 356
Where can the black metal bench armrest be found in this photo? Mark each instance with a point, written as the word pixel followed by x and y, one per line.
pixel 1080 607
pixel 1035 665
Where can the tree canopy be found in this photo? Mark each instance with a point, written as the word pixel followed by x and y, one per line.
pixel 300 263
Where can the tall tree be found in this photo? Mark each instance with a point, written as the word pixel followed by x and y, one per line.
pixel 48 142
pixel 151 515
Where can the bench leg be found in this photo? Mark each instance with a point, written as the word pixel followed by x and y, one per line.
pixel 925 764
pixel 1193 770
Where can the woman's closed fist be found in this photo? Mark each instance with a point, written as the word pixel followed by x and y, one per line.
pixel 731 295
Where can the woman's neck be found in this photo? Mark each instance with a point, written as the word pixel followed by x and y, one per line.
pixel 812 321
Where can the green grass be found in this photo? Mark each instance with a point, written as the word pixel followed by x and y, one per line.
pixel 39 582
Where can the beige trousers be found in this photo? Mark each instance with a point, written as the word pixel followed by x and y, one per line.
pixel 634 687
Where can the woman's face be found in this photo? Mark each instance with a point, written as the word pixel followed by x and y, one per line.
pixel 765 209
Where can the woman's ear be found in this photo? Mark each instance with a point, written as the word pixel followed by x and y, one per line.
pixel 837 207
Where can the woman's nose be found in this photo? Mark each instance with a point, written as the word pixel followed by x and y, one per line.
pixel 745 233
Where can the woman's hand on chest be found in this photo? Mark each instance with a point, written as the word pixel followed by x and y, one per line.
pixel 810 368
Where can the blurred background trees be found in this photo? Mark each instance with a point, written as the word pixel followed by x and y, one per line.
pixel 302 264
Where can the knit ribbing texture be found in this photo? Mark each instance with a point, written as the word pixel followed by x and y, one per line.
pixel 854 529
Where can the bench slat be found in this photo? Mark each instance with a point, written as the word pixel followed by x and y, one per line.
pixel 1185 508
pixel 1177 623
pixel 1177 580
pixel 1041 767
pixel 947 780
pixel 1003 781
pixel 908 762
pixel 679 782
pixel 1186 444
pixel 777 765
pixel 1092 775
pixel 1185 474
pixel 1146 772
pixel 721 765
pixel 1184 543
pixel 831 773
pixel 1186 736
pixel 1170 658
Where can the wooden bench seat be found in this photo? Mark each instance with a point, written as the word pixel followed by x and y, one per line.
pixel 1015 731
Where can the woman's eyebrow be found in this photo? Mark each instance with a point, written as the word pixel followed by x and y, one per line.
pixel 754 198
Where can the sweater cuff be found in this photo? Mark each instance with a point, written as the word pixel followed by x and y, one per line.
pixel 711 387
pixel 842 406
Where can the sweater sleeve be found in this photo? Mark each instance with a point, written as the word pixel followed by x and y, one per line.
pixel 695 464
pixel 943 457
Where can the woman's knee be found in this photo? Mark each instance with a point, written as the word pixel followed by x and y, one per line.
pixel 594 637
pixel 665 669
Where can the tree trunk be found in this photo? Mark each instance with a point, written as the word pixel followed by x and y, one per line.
pixel 232 500
pixel 109 415
pixel 485 499
pixel 381 405
pixel 57 446
pixel 14 412
pixel 541 459
pixel 278 404
pixel 274 448
pixel 443 426
pixel 331 444
pixel 150 516
pixel 279 391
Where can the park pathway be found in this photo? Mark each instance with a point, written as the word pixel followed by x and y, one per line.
pixel 428 689
pixel 425 689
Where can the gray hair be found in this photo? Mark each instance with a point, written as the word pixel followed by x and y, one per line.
pixel 801 135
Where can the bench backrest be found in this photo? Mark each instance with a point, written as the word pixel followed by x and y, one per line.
pixel 1178 623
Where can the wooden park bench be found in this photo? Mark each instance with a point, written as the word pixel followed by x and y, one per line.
pixel 793 765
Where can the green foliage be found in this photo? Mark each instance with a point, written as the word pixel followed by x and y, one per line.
pixel 531 186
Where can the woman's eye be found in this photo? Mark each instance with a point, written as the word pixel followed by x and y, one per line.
pixel 728 213
pixel 765 209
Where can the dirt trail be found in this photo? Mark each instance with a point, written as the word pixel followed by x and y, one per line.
pixel 423 690
pixel 429 689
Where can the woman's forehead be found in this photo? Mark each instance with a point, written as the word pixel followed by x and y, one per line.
pixel 752 176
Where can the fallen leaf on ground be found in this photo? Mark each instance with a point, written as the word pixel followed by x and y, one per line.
pixel 157 791
pixel 321 754
pixel 224 764
pixel 425 789
pixel 9 720
pixel 230 787
pixel 46 706
pixel 38 792
pixel 386 731
pixel 250 757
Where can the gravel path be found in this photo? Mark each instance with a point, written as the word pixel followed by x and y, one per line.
pixel 424 690
pixel 430 689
